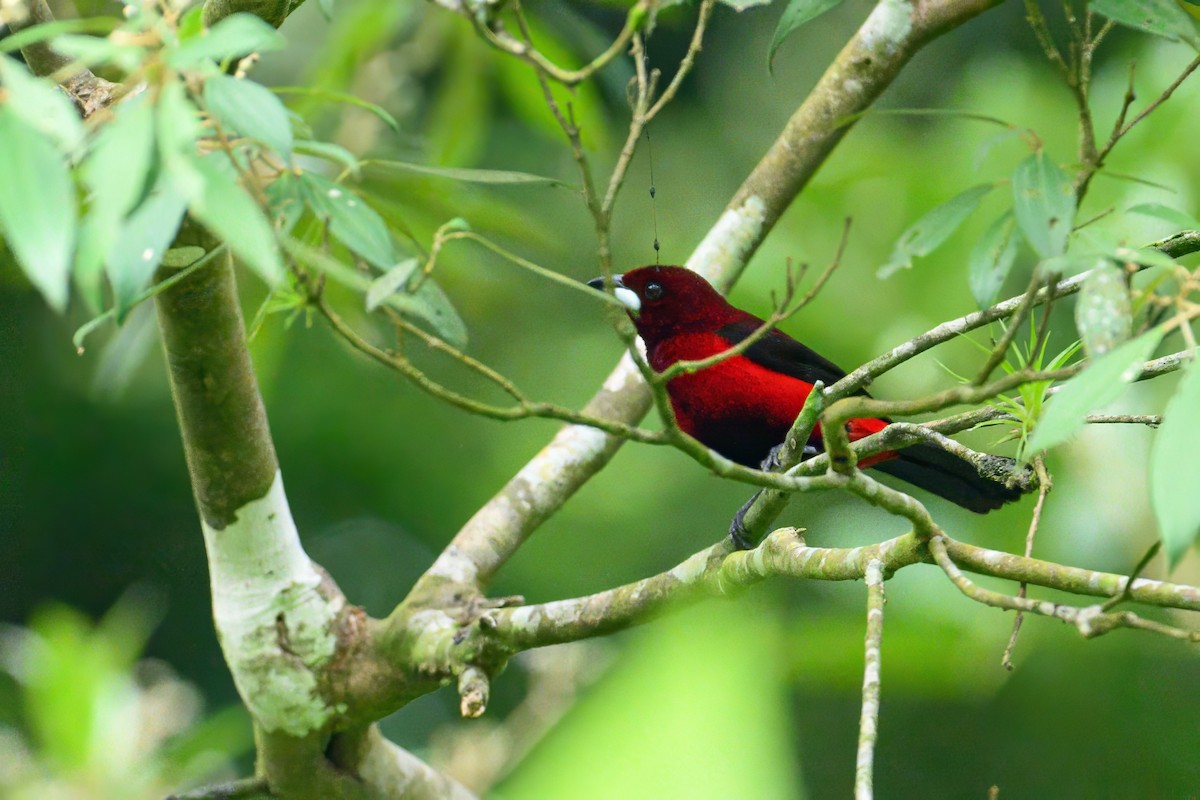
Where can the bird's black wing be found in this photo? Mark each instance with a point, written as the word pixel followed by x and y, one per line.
pixel 781 353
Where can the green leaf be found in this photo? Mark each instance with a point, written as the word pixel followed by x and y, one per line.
pixel 1101 382
pixel 178 130
pixel 428 305
pixel 1179 219
pixel 116 172
pixel 93 50
pixel 329 151
pixel 226 209
pixel 351 221
pixel 141 243
pixel 37 207
pixel 251 110
pixel 12 42
pixel 469 175
pixel 1174 465
pixel 794 15
pixel 341 97
pixel 191 24
pixel 1044 204
pixel 42 105
pixel 121 158
pixel 991 260
pixel 1103 313
pixel 389 283
pixel 1160 17
pixel 928 232
pixel 233 37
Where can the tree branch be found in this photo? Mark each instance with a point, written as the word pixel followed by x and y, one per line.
pixel 860 73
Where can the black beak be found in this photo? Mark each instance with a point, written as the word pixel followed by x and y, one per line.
pixel 598 283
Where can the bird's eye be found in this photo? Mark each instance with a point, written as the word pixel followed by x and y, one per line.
pixel 653 291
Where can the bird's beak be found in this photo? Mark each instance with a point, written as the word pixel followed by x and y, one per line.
pixel 627 296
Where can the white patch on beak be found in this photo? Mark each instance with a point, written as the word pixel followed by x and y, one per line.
pixel 628 298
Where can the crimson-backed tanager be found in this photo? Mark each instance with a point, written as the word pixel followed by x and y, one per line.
pixel 743 406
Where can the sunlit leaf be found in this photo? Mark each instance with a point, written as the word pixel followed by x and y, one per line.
pixel 497 176
pixel 1160 17
pixel 389 283
pixel 233 37
pixel 37 207
pixel 141 243
pixel 249 109
pixel 795 14
pixel 991 260
pixel 1100 383
pixel 928 232
pixel 231 214
pixel 1044 204
pixel 351 221
pixel 41 104
pixel 1103 313
pixel 1174 465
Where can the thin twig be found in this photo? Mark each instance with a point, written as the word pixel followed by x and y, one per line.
pixel 1044 486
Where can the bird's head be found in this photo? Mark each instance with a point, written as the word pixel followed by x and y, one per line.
pixel 663 301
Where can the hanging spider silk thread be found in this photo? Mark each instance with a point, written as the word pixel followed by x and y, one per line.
pixel 653 201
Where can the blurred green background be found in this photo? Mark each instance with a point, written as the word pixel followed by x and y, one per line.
pixel 757 697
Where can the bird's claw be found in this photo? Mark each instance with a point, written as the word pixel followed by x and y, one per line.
pixel 773 462
pixel 739 534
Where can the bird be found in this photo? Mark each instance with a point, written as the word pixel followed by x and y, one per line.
pixel 744 406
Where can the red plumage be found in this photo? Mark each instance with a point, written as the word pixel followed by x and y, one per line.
pixel 745 405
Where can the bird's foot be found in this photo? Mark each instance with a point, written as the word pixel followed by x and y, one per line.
pixel 739 534
pixel 773 462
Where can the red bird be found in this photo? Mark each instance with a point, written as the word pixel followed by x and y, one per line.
pixel 744 406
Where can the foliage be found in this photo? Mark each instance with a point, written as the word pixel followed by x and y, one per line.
pixel 342 201
pixel 100 721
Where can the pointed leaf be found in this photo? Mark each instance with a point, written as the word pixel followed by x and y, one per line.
pixel 1174 465
pixel 794 15
pixel 470 175
pixel 935 227
pixel 1104 314
pixel 42 105
pixel 37 207
pixel 234 36
pixel 249 109
pixel 389 283
pixel 1101 382
pixel 1160 17
pixel 226 209
pixel 351 221
pixel 1044 204
pixel 991 260
pixel 1180 219
pixel 142 241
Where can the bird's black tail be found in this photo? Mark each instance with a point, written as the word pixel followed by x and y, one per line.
pixel 939 471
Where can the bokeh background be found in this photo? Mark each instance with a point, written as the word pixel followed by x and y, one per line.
pixel 111 681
